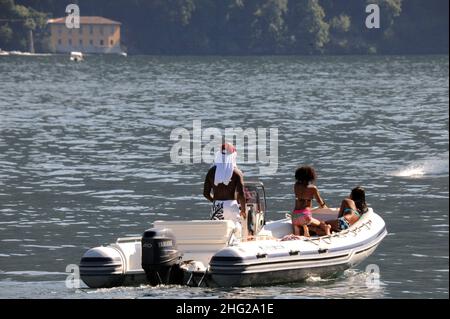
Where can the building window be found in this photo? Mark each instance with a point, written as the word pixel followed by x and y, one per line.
pixel 91 42
pixel 80 42
pixel 101 42
pixel 91 29
pixel 59 29
pixel 112 29
pixel 70 42
pixel 59 41
pixel 111 42
pixel 80 31
pixel 101 30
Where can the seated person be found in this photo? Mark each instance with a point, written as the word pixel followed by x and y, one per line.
pixel 351 210
pixel 305 192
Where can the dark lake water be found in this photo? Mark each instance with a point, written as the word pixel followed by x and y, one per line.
pixel 85 158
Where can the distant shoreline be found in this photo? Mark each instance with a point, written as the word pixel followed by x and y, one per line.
pixel 17 53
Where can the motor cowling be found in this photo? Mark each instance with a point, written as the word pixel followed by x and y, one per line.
pixel 102 267
pixel 160 256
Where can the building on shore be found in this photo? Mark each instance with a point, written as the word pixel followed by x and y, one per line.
pixel 95 35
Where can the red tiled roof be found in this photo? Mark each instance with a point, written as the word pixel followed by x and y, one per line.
pixel 85 20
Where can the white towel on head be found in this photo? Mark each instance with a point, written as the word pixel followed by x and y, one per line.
pixel 225 164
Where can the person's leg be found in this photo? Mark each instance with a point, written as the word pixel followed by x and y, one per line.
pixel 334 225
pixel 296 230
pixel 322 225
pixel 305 222
pixel 231 211
pixel 306 231
pixel 300 223
pixel 315 222
pixel 326 228
pixel 316 230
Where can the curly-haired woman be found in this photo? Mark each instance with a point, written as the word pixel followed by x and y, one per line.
pixel 305 191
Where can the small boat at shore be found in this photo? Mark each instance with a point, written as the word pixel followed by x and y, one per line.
pixel 76 56
pixel 212 252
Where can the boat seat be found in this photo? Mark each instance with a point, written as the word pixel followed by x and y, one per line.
pixel 277 229
pixel 199 239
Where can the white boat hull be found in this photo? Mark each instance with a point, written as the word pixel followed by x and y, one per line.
pixel 274 261
pixel 227 262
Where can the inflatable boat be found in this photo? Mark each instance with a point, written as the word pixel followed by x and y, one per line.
pixel 214 252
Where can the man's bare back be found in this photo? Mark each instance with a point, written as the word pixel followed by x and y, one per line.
pixel 222 191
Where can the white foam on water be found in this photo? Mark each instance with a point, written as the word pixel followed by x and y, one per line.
pixel 314 279
pixel 429 167
pixel 33 273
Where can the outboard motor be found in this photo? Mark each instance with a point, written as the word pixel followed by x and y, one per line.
pixel 160 257
pixel 102 267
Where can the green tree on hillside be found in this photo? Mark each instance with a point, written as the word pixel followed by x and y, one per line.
pixel 308 27
pixel 246 26
pixel 16 21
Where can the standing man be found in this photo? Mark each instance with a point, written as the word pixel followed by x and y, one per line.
pixel 226 181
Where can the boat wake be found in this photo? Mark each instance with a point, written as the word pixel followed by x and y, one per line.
pixel 433 167
pixel 318 279
pixel 349 276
